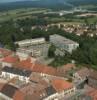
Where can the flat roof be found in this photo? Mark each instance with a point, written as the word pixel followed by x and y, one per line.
pixel 63 39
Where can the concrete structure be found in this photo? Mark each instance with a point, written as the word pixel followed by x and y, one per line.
pixel 38 50
pixel 33 47
pixel 29 42
pixel 63 43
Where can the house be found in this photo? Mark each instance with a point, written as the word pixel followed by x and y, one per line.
pixel 35 91
pixel 9 60
pixel 63 43
pixel 63 88
pixel 64 70
pixel 81 75
pixel 44 70
pixel 92 79
pixel 92 94
pixel 4 53
pixel 7 91
pixel 11 72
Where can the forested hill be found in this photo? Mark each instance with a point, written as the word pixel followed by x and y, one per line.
pixel 82 2
pixel 56 4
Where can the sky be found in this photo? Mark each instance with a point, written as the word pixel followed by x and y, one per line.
pixel 1 1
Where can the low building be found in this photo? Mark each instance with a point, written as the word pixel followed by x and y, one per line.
pixel 29 42
pixel 7 91
pixel 92 79
pixel 11 72
pixel 36 91
pixel 9 61
pixel 64 70
pixel 81 75
pixel 92 94
pixel 38 50
pixel 4 53
pixel 63 89
pixel 63 43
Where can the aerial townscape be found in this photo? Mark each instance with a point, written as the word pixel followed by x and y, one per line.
pixel 48 50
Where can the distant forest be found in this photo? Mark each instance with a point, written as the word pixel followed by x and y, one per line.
pixel 53 4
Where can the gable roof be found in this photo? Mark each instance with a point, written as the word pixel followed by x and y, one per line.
pixel 93 74
pixel 17 71
pixel 19 95
pixel 44 69
pixel 24 64
pixel 7 89
pixel 30 65
pixel 84 72
pixel 5 52
pixel 93 94
pixel 11 59
pixel 60 85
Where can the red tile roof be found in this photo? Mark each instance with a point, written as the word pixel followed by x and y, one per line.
pixel 68 67
pixel 28 64
pixel 60 85
pixel 44 69
pixel 64 69
pixel 19 96
pixel 7 89
pixel 25 64
pixel 11 59
pixel 93 94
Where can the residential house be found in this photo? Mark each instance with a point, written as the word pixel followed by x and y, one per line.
pixel 4 53
pixel 36 91
pixel 9 60
pixel 81 75
pixel 64 70
pixel 92 94
pixel 92 79
pixel 63 89
pixel 12 72
pixel 7 91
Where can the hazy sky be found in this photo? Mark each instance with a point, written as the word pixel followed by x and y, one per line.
pixel 10 0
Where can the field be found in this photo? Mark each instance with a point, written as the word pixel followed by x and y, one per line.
pixel 20 13
pixel 89 7
pixel 33 12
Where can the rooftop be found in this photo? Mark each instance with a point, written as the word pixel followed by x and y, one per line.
pixel 44 69
pixel 5 52
pixel 11 59
pixel 17 71
pixel 93 74
pixel 84 72
pixel 93 94
pixel 62 39
pixel 7 89
pixel 60 85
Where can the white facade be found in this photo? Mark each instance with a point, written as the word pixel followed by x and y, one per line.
pixel 62 94
pixel 11 75
pixel 6 64
pixel 29 42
